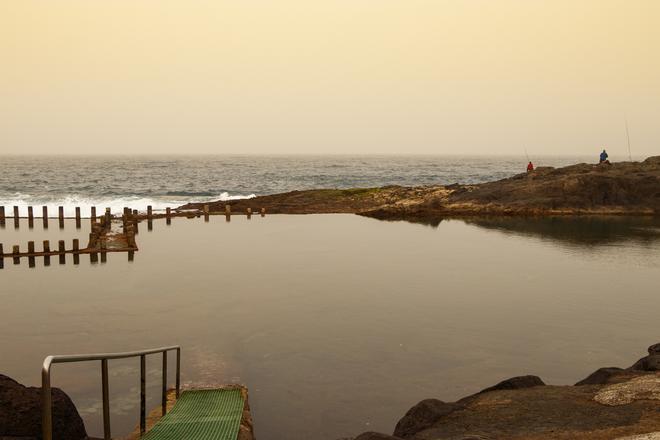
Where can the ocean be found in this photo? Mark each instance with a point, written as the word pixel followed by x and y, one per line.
pixel 170 181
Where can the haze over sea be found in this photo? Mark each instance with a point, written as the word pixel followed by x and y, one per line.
pixel 162 181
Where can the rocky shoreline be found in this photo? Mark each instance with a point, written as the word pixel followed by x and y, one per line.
pixel 625 188
pixel 611 403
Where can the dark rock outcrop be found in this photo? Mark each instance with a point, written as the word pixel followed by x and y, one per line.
pixel 423 415
pixel 600 376
pixel 647 363
pixel 375 436
pixel 515 383
pixel 20 413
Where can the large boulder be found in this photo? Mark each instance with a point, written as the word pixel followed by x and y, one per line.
pixel 600 376
pixel 20 413
pixel 423 415
pixel 647 363
pixel 515 383
pixel 375 436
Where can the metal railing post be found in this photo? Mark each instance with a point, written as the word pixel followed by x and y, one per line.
pixel 106 400
pixel 164 390
pixel 47 405
pixel 178 372
pixel 143 394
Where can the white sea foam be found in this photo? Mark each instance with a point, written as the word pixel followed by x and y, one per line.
pixel 116 205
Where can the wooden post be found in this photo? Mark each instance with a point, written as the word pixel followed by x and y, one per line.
pixel 149 212
pixel 2 257
pixel 92 214
pixel 248 212
pixel 77 217
pixel 31 259
pixel 205 208
pixel 131 255
pixel 228 212
pixel 2 215
pixel 16 218
pixel 60 215
pixel 104 254
pixel 30 217
pixel 46 251
pixel 16 250
pixel 108 218
pixel 61 251
pixel 263 212
pixel 44 216
pixel 168 213
pixel 76 254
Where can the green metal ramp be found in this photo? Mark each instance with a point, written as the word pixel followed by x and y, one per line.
pixel 201 415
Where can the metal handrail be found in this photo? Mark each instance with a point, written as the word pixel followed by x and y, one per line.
pixel 46 396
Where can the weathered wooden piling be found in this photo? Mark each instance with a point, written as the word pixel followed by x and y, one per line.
pixel 92 214
pixel 2 257
pixel 135 221
pixel 76 254
pixel 61 250
pixel 77 217
pixel 16 250
pixel 31 259
pixel 149 212
pixel 60 216
pixel 263 212
pixel 205 209
pixel 2 215
pixel 46 248
pixel 108 217
pixel 248 212
pixel 131 255
pixel 16 217
pixel 227 209
pixel 44 216
pixel 104 254
pixel 30 217
pixel 168 215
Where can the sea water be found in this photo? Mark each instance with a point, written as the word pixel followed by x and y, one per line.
pixel 119 181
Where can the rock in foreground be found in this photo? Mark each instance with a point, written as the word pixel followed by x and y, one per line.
pixel 20 413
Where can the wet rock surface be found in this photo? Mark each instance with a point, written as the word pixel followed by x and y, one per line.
pixel 20 413
pixel 611 403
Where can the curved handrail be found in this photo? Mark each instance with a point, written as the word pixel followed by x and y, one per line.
pixel 47 415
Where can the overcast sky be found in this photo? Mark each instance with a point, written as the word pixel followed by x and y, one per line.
pixel 329 76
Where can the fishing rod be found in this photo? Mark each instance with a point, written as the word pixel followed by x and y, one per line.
pixel 628 136
pixel 525 148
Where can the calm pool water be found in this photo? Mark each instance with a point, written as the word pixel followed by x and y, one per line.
pixel 337 323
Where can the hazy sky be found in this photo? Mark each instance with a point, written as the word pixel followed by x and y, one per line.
pixel 329 76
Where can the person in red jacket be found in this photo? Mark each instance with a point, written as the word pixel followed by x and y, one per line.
pixel 530 167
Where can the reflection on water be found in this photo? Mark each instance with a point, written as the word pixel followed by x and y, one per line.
pixel 338 323
pixel 579 231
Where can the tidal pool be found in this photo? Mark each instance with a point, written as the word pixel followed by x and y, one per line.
pixel 337 323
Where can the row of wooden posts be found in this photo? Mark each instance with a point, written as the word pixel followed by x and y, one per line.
pixel 45 217
pixel 60 216
pixel 61 252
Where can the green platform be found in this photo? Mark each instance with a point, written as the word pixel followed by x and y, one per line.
pixel 201 415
